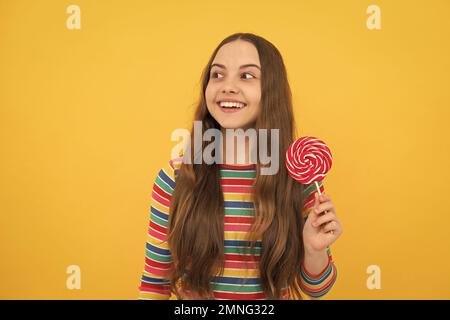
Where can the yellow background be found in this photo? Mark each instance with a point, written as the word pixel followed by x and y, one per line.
pixel 86 118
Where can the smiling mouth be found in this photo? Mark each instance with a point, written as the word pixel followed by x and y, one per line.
pixel 231 107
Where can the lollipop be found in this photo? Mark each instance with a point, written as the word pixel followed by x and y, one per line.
pixel 308 160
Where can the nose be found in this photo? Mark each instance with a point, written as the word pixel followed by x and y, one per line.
pixel 230 86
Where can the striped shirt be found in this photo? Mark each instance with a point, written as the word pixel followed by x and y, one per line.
pixel 240 279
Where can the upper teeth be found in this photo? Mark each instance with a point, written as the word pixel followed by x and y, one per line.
pixel 231 104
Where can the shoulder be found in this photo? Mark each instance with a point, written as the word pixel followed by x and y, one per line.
pixel 169 172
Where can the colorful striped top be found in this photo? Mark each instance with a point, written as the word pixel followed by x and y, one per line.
pixel 240 279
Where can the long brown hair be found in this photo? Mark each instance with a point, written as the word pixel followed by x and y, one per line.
pixel 196 224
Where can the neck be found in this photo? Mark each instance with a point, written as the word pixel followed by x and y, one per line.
pixel 236 147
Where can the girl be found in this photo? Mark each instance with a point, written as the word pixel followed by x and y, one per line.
pixel 224 230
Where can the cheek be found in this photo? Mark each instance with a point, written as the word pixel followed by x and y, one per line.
pixel 209 97
pixel 255 94
pixel 256 100
pixel 211 89
pixel 257 107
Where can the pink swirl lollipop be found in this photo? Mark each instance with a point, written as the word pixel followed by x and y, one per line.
pixel 308 160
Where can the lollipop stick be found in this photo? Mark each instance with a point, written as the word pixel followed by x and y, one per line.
pixel 318 189
pixel 320 193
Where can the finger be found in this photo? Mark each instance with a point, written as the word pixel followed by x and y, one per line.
pixel 324 207
pixel 324 197
pixel 330 226
pixel 327 217
pixel 332 235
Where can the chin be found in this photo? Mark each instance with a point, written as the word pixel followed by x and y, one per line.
pixel 234 125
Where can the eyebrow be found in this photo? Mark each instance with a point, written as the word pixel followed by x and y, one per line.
pixel 241 67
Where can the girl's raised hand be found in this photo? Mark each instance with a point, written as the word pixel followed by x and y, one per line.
pixel 321 228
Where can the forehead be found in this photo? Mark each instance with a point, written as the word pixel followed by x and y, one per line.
pixel 236 53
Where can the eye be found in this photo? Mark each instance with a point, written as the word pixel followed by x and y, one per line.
pixel 249 74
pixel 213 74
